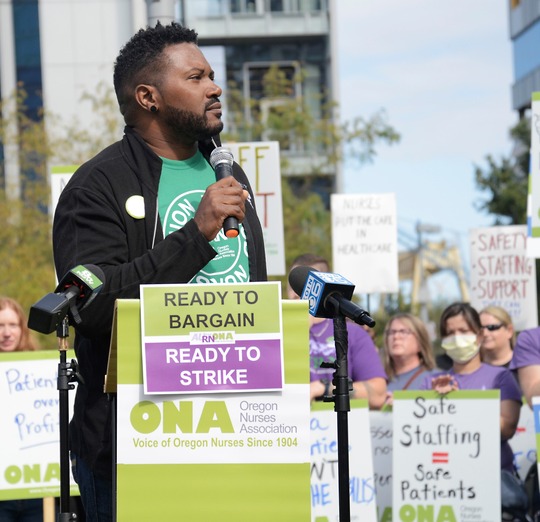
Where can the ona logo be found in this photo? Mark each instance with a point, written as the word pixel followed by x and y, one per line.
pixel 409 513
pixel 173 417
pixel 35 473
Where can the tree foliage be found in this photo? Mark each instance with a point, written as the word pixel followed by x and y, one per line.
pixel 506 180
pixel 25 236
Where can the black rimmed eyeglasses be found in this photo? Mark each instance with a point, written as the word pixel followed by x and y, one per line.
pixel 493 327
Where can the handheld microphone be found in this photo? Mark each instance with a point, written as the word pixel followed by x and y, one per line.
pixel 77 289
pixel 222 160
pixel 327 294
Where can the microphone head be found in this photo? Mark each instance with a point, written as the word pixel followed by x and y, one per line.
pixel 221 155
pixel 298 277
pixel 88 279
pixel 81 285
pixel 316 286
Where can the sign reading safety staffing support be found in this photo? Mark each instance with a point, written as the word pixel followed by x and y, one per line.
pixel 446 463
pixel 211 338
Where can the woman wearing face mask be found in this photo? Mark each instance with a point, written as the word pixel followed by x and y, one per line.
pixel 462 336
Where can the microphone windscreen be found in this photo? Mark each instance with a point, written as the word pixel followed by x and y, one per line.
pixel 221 155
pixel 96 271
pixel 298 277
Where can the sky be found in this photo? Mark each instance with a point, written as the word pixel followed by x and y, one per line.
pixel 442 71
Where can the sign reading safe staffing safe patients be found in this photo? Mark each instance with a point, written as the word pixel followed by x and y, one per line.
pixel 446 458
pixel 211 338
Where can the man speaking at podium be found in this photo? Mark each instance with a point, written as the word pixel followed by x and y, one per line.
pixel 148 210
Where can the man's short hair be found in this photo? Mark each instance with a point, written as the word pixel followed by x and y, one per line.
pixel 141 60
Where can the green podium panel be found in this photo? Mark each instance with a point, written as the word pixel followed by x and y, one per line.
pixel 212 456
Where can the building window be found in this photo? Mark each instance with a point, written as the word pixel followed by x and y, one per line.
pixel 243 6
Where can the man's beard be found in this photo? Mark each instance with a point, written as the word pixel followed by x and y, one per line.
pixel 188 124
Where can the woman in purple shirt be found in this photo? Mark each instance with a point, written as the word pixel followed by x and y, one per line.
pixel 462 334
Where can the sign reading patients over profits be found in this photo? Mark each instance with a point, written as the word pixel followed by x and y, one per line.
pixel 502 274
pixel 260 162
pixel 29 453
pixel 364 241
pixel 447 456
pixel 210 338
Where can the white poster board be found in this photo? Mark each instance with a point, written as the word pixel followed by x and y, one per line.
pixel 447 456
pixel 523 443
pixel 364 241
pixel 502 274
pixel 260 161
pixel 325 465
pixel 381 441
pixel 533 201
pixel 30 449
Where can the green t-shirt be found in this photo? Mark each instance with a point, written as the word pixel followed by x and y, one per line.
pixel 181 187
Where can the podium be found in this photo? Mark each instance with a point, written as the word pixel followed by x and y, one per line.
pixel 182 457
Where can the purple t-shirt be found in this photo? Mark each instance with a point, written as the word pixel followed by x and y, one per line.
pixel 488 377
pixel 527 349
pixel 363 361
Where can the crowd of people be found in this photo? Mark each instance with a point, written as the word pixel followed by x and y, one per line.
pixel 118 212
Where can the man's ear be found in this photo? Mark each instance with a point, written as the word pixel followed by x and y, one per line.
pixel 145 97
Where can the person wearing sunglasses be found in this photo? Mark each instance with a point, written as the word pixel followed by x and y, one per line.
pixel 499 336
pixel 406 353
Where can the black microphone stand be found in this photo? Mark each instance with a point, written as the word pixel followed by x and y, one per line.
pixel 342 406
pixel 67 373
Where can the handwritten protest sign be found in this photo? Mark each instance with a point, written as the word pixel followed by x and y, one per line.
pixel 364 240
pixel 502 274
pixel 523 443
pixel 30 449
pixel 261 163
pixel 204 338
pixel 325 467
pixel 446 463
pixel 381 441
pixel 533 200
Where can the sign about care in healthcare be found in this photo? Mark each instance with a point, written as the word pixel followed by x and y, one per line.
pixel 364 241
pixel 199 338
pixel 29 409
pixel 325 465
pixel 446 463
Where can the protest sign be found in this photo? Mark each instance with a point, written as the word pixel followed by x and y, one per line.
pixel 381 441
pixel 261 163
pixel 533 200
pixel 325 465
pixel 364 241
pixel 502 274
pixel 446 458
pixel 30 449
pixel 207 338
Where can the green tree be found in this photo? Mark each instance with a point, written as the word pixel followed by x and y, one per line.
pixel 506 180
pixel 25 236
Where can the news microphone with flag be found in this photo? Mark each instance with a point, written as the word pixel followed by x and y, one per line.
pixel 222 161
pixel 327 294
pixel 77 289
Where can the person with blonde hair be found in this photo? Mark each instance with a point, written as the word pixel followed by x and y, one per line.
pixel 15 336
pixel 499 336
pixel 407 353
